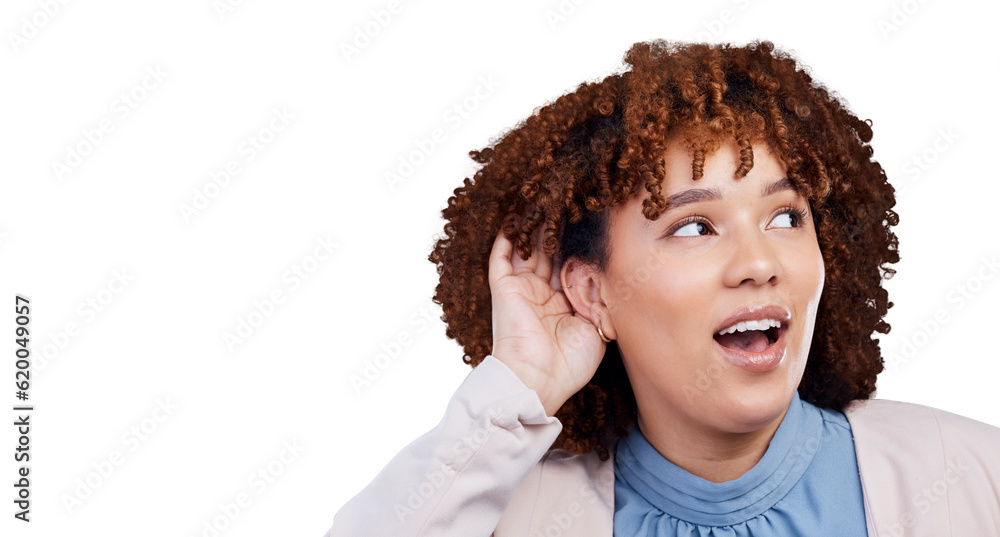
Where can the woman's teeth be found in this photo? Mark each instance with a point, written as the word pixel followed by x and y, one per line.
pixel 741 326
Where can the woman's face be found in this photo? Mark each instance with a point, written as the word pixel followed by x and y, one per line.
pixel 725 246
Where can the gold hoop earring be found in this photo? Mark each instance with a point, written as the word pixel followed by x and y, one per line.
pixel 601 333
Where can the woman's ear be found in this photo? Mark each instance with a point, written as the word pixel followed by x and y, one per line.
pixel 581 283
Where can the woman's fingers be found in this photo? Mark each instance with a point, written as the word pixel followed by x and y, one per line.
pixel 499 265
pixel 537 263
pixel 544 268
pixel 504 260
pixel 522 266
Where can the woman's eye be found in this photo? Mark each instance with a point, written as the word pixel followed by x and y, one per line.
pixel 693 229
pixel 786 217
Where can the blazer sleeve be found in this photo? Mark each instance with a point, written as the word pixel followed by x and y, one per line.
pixel 458 478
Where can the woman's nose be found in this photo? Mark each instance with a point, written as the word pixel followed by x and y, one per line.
pixel 753 259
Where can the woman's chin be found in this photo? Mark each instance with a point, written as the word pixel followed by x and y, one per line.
pixel 751 402
pixel 751 410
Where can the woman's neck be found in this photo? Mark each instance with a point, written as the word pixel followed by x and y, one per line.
pixel 713 455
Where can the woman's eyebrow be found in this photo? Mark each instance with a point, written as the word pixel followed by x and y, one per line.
pixel 696 195
pixel 777 186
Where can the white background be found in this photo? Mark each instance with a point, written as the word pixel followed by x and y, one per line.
pixel 929 69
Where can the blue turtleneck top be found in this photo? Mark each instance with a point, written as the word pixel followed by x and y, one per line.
pixel 806 484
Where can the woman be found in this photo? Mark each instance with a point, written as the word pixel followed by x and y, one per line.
pixel 667 283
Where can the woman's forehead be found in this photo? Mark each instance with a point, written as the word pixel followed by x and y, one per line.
pixel 719 164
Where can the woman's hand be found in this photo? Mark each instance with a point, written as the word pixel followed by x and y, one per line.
pixel 535 331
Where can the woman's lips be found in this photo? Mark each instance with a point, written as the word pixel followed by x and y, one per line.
pixel 756 313
pixel 758 362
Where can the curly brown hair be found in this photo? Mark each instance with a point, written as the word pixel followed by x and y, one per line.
pixel 589 150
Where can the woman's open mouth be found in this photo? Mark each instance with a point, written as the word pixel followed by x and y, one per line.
pixel 753 340
pixel 755 346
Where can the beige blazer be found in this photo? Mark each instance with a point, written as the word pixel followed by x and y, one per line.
pixel 486 469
